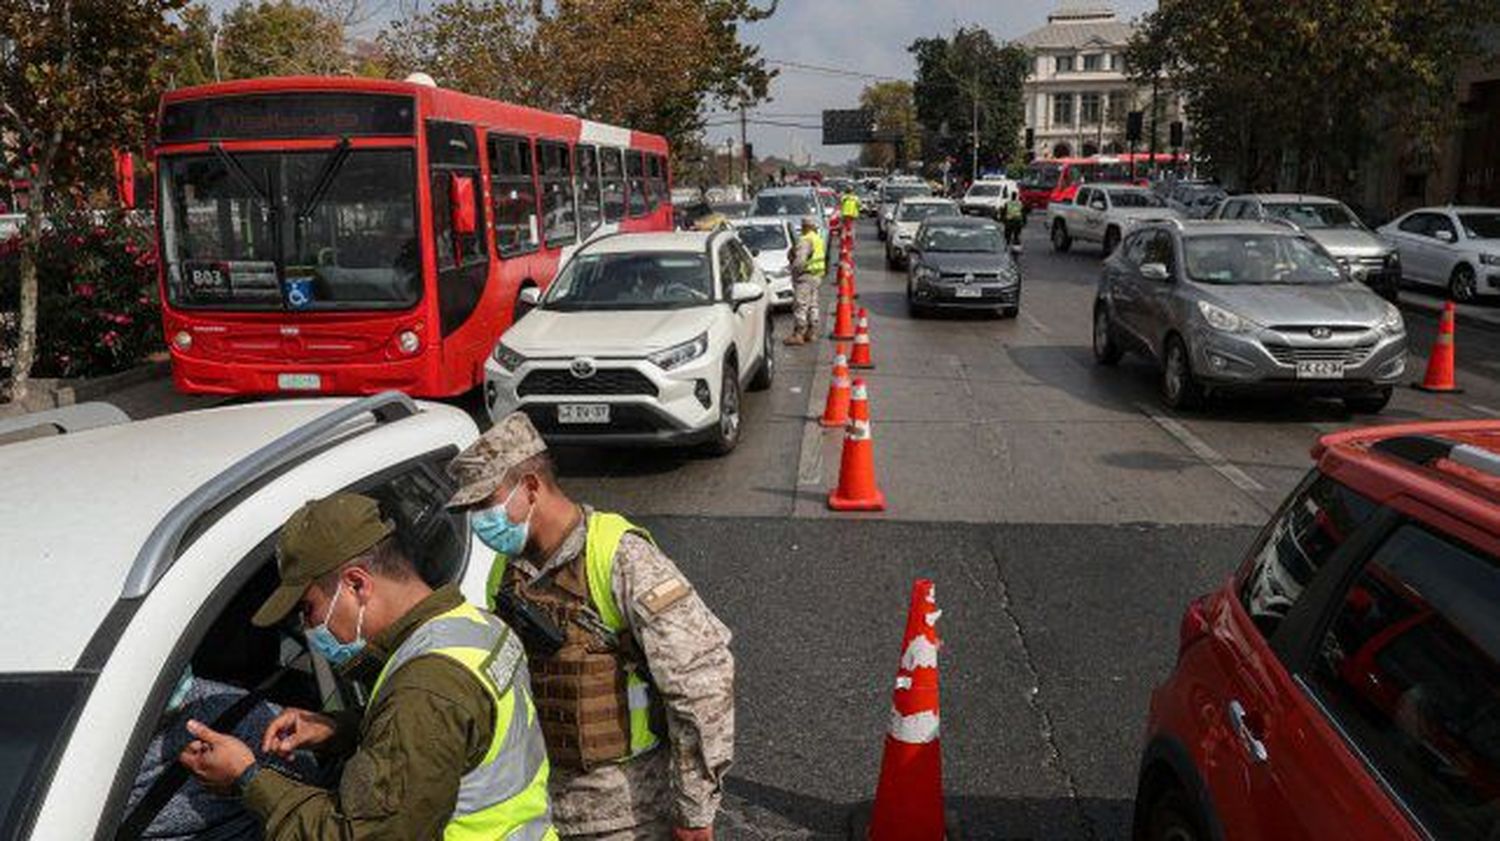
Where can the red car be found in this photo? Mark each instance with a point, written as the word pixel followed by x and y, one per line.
pixel 1345 682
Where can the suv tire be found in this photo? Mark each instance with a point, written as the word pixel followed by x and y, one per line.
pixel 1061 241
pixel 766 373
pixel 1462 286
pixel 1107 350
pixel 1171 817
pixel 1369 403
pixel 1179 388
pixel 727 429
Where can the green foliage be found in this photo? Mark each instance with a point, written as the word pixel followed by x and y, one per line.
pixel 280 38
pixel 969 75
pixel 98 312
pixel 895 111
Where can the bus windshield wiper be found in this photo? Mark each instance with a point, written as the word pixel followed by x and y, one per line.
pixel 330 169
pixel 237 170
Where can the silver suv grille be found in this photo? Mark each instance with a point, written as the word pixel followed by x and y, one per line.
pixel 1288 355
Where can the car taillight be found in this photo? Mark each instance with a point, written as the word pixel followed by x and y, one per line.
pixel 1194 625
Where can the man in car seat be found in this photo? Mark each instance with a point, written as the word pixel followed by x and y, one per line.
pixel 448 745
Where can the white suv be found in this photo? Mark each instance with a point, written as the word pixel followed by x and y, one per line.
pixel 645 339
pixel 136 549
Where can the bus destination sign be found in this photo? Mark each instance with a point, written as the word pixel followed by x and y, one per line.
pixel 284 116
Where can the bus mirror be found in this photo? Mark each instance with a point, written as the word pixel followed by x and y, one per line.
pixel 461 204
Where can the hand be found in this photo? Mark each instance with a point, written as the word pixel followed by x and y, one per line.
pixel 702 833
pixel 295 729
pixel 216 759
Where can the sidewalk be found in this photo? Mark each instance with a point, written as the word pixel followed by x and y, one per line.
pixel 1485 316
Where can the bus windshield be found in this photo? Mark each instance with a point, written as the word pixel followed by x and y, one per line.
pixel 1042 177
pixel 632 281
pixel 326 229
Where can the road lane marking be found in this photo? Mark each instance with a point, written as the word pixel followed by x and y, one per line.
pixel 1483 410
pixel 1035 324
pixel 810 463
pixel 1200 448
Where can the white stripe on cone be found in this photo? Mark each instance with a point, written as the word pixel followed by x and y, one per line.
pixel 921 653
pixel 916 729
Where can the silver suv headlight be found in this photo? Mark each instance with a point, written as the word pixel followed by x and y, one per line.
pixel 1490 259
pixel 1392 324
pixel 1222 319
pixel 507 358
pixel 679 355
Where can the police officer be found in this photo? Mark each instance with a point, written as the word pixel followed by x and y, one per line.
pixel 448 746
pixel 1014 217
pixel 849 206
pixel 809 258
pixel 633 676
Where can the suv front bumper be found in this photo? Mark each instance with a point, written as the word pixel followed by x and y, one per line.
pixel 1268 360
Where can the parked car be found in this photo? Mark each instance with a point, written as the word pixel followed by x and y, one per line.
pixel 869 199
pixel 961 262
pixel 1103 213
pixel 1246 306
pixel 1455 247
pixel 988 197
pixel 1343 682
pixel 732 209
pixel 906 218
pixel 1370 259
pixel 153 558
pixel 1194 199
pixel 644 339
pixel 792 202
pixel 770 239
pixel 891 191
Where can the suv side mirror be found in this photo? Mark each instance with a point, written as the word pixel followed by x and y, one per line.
pixel 1154 271
pixel 531 296
pixel 1097 204
pixel 743 293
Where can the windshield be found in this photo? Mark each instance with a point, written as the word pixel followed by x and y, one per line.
pixel 1315 215
pixel 1242 260
pixel 734 210
pixel 783 204
pixel 895 192
pixel 632 281
pixel 1133 198
pixel 253 231
pixel 916 212
pixel 763 237
pixel 1042 177
pixel 984 190
pixel 36 711
pixel 1480 225
pixel 968 238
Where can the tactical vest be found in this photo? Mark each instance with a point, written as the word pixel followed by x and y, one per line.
pixel 593 696
pixel 1013 211
pixel 505 795
pixel 850 206
pixel 817 263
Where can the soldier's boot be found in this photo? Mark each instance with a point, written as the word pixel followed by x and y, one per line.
pixel 797 338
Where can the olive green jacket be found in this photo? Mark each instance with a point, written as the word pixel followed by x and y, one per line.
pixel 431 724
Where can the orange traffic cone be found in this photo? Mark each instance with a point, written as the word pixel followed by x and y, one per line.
pixel 909 798
pixel 857 490
pixel 861 356
pixel 836 407
pixel 843 320
pixel 1439 376
pixel 846 278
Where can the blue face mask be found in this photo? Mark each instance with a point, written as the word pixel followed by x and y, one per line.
pixel 494 528
pixel 327 645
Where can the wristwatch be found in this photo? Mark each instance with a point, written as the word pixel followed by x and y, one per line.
pixel 242 782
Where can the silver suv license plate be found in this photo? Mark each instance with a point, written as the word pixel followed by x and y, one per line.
pixel 583 413
pixel 1320 370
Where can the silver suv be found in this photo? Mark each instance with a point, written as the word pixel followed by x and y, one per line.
pixel 1246 306
pixel 1369 258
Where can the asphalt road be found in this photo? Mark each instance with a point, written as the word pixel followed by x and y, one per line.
pixel 1065 516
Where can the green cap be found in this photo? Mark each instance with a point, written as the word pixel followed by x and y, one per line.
pixel 322 536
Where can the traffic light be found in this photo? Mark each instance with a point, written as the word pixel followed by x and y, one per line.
pixel 1133 122
pixel 1174 132
pixel 1030 139
pixel 750 151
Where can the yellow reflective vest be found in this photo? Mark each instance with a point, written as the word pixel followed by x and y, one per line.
pixel 817 263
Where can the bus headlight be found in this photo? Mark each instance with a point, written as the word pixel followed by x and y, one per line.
pixel 183 341
pixel 507 358
pixel 409 342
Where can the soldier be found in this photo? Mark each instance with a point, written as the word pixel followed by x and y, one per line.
pixel 809 259
pixel 632 674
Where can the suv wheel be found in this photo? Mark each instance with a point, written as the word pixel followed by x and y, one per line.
pixel 1179 389
pixel 1111 241
pixel 1173 818
pixel 1106 349
pixel 727 431
pixel 1462 286
pixel 1061 242
pixel 1369 403
pixel 767 371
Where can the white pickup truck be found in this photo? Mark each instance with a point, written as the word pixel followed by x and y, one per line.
pixel 1103 213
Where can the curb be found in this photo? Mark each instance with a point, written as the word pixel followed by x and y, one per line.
pixel 53 394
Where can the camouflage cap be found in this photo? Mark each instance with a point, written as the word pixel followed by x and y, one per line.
pixel 481 468
pixel 319 538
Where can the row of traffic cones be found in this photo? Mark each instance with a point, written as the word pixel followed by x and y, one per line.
pixel 848 402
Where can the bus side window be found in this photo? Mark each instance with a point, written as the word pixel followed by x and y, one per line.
pixel 586 173
pixel 513 192
pixel 559 221
pixel 612 165
pixel 453 151
pixel 635 168
pixel 656 179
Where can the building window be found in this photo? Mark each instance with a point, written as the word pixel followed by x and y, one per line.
pixel 1065 64
pixel 1089 109
pixel 1117 107
pixel 1093 63
pixel 1062 109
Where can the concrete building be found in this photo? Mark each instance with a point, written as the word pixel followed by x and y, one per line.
pixel 1077 94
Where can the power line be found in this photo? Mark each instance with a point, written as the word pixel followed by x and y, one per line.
pixel 832 71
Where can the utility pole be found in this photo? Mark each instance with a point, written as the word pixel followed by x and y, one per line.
pixel 744 147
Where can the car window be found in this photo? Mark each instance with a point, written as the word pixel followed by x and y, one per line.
pixel 632 281
pixel 770 236
pixel 1312 525
pixel 1275 258
pixel 1439 224
pixel 1315 215
pixel 735 266
pixel 1410 670
pixel 36 710
pixel 1134 251
pixel 1481 225
pixel 1158 249
pixel 784 204
pixel 1083 196
pixel 1133 198
pixel 1417 223
pixel 914 212
pixel 977 239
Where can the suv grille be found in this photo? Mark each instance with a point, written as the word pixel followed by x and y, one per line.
pixel 1287 355
pixel 605 381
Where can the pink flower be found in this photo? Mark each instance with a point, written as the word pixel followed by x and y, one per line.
pixel 84 290
pixel 110 339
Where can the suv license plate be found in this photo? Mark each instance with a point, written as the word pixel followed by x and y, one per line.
pixel 583 413
pixel 299 382
pixel 968 292
pixel 1320 370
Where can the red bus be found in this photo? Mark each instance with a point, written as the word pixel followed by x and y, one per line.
pixel 1057 180
pixel 347 236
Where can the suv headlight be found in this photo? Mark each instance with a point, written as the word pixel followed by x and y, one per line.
pixel 1392 324
pixel 679 355
pixel 507 358
pixel 1222 319
pixel 1393 260
pixel 1490 259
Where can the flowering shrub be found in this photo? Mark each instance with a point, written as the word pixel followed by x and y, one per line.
pixel 97 307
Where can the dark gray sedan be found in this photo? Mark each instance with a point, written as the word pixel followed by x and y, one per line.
pixel 958 262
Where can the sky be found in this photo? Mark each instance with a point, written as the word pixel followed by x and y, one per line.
pixel 866 41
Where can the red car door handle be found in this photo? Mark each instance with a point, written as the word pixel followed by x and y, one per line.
pixel 1254 747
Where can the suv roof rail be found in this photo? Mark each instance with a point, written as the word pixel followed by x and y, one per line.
pixel 161 548
pixel 64 419
pixel 1425 449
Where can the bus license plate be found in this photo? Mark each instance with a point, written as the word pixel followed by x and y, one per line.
pixel 583 413
pixel 968 292
pixel 299 382
pixel 1320 370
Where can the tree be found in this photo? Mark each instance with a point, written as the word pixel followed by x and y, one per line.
pixel 1297 94
pixel 971 77
pixel 77 79
pixel 188 53
pixel 481 47
pixel 895 113
pixel 280 38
